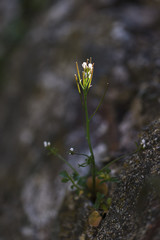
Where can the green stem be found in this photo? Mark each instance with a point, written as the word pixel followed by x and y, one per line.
pixel 111 162
pixel 80 154
pixel 100 103
pixel 65 161
pixel 116 159
pixel 74 184
pixel 93 167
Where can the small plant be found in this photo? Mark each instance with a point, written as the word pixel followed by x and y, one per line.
pixel 95 185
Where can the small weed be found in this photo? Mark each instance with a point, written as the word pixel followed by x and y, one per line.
pixel 94 186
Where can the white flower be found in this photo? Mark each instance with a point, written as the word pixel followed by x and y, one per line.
pixel 90 65
pixel 71 151
pixel 46 144
pixel 143 143
pixel 84 65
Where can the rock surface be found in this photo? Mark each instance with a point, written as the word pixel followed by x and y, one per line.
pixel 135 208
pixel 39 98
pixel 134 213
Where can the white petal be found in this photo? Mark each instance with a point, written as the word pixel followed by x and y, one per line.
pixel 84 65
pixel 90 65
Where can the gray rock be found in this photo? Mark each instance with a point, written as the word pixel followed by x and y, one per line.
pixel 134 212
pixel 39 101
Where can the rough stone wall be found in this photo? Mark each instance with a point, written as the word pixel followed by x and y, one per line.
pixel 39 100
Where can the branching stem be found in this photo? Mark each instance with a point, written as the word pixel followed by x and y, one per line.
pixel 73 182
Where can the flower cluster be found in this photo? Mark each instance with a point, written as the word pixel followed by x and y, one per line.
pixel 46 144
pixel 84 83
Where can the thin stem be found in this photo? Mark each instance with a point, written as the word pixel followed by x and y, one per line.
pixel 73 182
pixel 115 160
pixel 111 162
pixel 80 154
pixel 65 161
pixel 100 102
pixel 93 167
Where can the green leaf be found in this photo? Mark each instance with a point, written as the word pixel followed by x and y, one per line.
pixel 109 201
pixel 87 162
pixel 83 165
pixel 64 174
pixel 114 179
pixel 98 201
pixel 64 180
pixel 104 207
pixel 106 170
pixel 75 176
pixel 104 181
pixel 82 181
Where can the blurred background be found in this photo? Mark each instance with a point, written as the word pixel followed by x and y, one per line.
pixel 40 41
